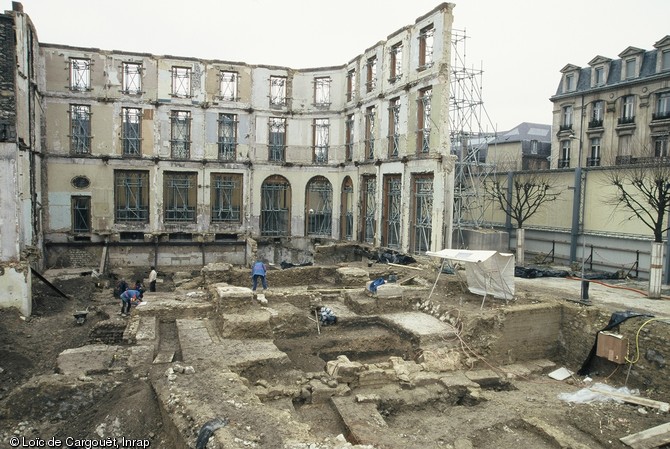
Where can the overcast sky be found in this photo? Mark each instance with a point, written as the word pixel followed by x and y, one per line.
pixel 521 45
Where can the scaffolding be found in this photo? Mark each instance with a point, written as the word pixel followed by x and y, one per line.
pixel 471 131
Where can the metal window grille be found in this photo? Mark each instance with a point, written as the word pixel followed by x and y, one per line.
pixel 132 197
pixel 80 74
pixel 370 133
pixel 371 82
pixel 393 228
pixel 351 84
pixel 181 82
pixel 180 197
pixel 349 145
pixel 227 137
pixel 319 207
pixel 394 138
pixel 180 134
pixel 277 139
pixel 423 214
pixel 396 63
pixel 227 199
pixel 277 91
pixel 275 198
pixel 322 91
pixel 132 78
pixel 131 131
pixel 80 138
pixel 81 214
pixel 321 140
pixel 229 86
pixel 424 123
pixel 348 201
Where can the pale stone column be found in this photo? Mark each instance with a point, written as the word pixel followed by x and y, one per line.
pixel 656 270
pixel 520 237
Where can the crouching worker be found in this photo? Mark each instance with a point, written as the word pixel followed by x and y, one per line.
pixel 327 316
pixel 126 298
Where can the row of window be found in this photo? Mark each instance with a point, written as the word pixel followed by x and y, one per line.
pixel 627 111
pixel 180 132
pixel 181 77
pixel 625 151
pixel 131 205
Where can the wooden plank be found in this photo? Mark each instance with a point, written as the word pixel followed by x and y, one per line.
pixel 403 266
pixel 648 439
pixel 662 406
pixel 164 357
pixel 405 281
pixel 46 281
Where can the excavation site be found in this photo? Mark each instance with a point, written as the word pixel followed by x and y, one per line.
pixel 421 362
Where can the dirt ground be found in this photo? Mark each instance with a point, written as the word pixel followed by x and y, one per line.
pixel 124 404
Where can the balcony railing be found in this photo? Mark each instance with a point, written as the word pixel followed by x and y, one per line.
pixel 564 163
pixel 623 160
pixel 663 115
pixel 565 127
pixel 593 162
pixel 596 123
pixel 626 120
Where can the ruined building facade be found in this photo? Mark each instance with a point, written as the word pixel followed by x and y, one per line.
pixel 136 159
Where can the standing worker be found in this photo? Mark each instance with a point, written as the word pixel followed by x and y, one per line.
pixel 259 271
pixel 126 298
pixel 152 279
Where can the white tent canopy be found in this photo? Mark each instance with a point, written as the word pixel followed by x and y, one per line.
pixel 487 272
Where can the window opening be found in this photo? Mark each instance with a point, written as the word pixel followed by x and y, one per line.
pixel 228 86
pixel 275 202
pixel 370 209
pixel 277 139
pixel 180 197
pixel 371 82
pixel 80 74
pixel 131 131
pixel 349 143
pixel 321 138
pixel 277 91
pixel 81 214
pixel 370 133
pixel 131 196
pixel 394 127
pixel 351 84
pixel 662 106
pixel 423 213
pixel 322 91
pixel 181 82
pixel 426 37
pixel 594 159
pixel 181 134
pixel 80 138
pixel 393 211
pixel 347 213
pixel 424 120
pixel 396 62
pixel 227 137
pixel 319 207
pixel 132 78
pixel 226 198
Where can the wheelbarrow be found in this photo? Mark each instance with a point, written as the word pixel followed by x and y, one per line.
pixel 80 316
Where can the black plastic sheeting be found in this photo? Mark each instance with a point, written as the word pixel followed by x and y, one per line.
pixel 616 319
pixel 207 430
pixel 532 273
pixel 286 265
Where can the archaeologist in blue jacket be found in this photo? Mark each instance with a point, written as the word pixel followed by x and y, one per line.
pixel 126 298
pixel 259 272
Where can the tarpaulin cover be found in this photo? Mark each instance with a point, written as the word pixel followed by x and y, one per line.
pixel 487 272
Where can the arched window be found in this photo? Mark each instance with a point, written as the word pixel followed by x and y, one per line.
pixel 276 206
pixel 319 207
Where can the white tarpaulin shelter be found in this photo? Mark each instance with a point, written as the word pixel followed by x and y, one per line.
pixel 487 272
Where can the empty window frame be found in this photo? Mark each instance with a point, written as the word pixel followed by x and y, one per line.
pixel 228 85
pixel 275 206
pixel 594 156
pixel 370 133
pixel 423 121
pixel 422 212
pixel 226 198
pixel 277 139
pixel 371 79
pixel 392 223
pixel 131 196
pixel 347 209
pixel 131 82
pixel 322 91
pixel 319 207
pixel 180 196
pixel 81 214
pixel 662 106
pixel 181 82
pixel 227 137
pixel 349 138
pixel 80 74
pixel 351 85
pixel 321 140
pixel 180 134
pixel 394 128
pixel 369 208
pixel 80 129
pixel 627 109
pixel 396 62
pixel 131 131
pixel 278 91
pixel 426 40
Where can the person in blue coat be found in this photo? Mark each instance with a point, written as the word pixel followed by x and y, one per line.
pixel 259 272
pixel 126 298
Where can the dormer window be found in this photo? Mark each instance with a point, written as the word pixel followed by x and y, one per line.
pixel 570 82
pixel 630 68
pixel 665 60
pixel 599 76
